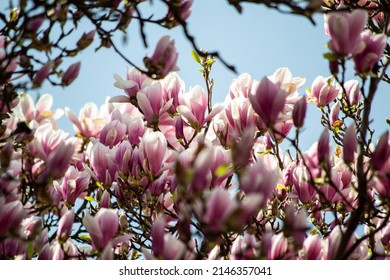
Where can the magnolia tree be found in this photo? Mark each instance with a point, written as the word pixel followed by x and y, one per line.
pixel 159 172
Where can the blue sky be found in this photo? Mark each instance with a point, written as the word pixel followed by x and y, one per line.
pixel 257 42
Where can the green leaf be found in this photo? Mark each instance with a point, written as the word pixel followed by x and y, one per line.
pixel 85 237
pixel 222 170
pixel 195 56
pixel 330 56
pixel 89 198
pixel 319 181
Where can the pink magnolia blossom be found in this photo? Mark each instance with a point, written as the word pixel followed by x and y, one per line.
pixel 102 160
pixel 239 114
pixel 73 184
pixel 57 162
pixel 164 245
pixel 90 120
pixel 123 155
pixel 153 151
pixel 268 100
pixel 295 224
pixel 240 87
pixel 135 130
pixel 151 102
pixel 283 77
pixel 334 242
pixel 323 91
pixel 385 235
pixel 11 214
pixel 245 247
pixel 174 89
pixel 86 39
pixel 374 46
pixel 302 187
pixel 65 226
pixel 202 168
pixel 105 200
pixel 259 180
pixel 334 120
pixel 313 248
pixel 102 227
pixel 276 247
pixel 12 249
pixel 134 82
pixel 183 8
pixel 337 191
pixel 344 30
pixel 353 92
pixel 164 58
pixel 281 130
pixel 112 133
pixel 36 114
pixel 47 140
pixel 219 207
pixel 193 107
pixel 382 185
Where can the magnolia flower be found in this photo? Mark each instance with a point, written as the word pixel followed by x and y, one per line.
pixel 323 91
pixel 91 119
pixel 344 30
pixel 151 102
pixel 352 90
pixel 36 114
pixel 102 227
pixel 11 214
pixel 268 100
pixel 164 245
pixel 283 77
pixel 374 46
pixel 153 151
pixel 163 60
pixel 73 184
pixel 65 226
pixel 313 248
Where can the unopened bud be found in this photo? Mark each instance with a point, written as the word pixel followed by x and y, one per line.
pixel 71 74
pixel 299 112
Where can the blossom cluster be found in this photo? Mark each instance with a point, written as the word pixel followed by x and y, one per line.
pixel 156 173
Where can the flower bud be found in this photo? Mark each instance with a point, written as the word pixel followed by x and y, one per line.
pixel 86 39
pixel 349 144
pixel 268 100
pixel 299 112
pixel 323 147
pixel 42 74
pixel 71 74
pixel 381 153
